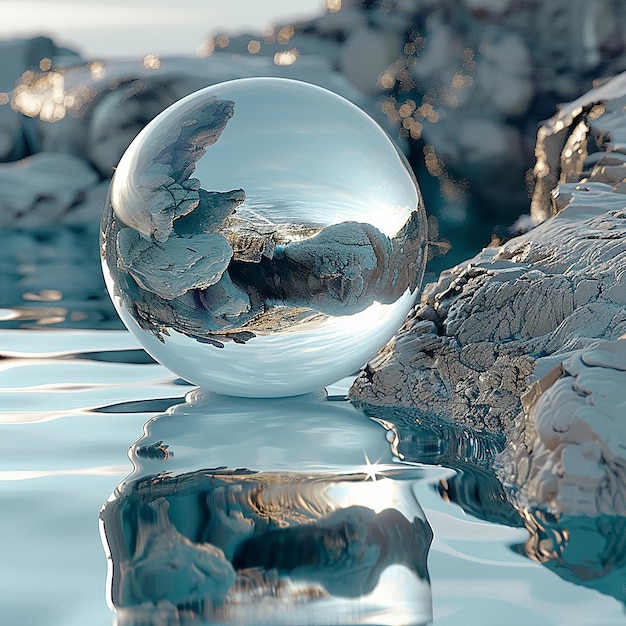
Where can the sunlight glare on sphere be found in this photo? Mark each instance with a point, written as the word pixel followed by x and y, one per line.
pixel 263 237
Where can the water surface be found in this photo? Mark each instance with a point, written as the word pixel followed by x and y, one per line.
pixel 79 400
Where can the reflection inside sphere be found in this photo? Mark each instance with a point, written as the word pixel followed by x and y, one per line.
pixel 263 237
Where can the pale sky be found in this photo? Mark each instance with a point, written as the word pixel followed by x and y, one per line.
pixel 106 28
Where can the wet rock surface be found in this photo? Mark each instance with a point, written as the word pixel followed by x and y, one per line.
pixel 572 457
pixel 468 352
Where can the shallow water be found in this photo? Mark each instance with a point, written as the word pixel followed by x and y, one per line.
pixel 77 405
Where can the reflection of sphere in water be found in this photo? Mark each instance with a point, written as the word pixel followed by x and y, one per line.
pixel 263 237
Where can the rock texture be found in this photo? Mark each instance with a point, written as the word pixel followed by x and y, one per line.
pixel 469 351
pixel 524 339
pixel 45 189
pixel 572 456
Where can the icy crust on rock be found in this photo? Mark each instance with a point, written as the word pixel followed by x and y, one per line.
pixel 584 141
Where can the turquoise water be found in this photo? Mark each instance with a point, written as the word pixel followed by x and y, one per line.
pixel 77 405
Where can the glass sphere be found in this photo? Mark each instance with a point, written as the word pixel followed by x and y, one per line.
pixel 263 237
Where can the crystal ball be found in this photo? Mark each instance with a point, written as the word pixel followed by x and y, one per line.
pixel 263 237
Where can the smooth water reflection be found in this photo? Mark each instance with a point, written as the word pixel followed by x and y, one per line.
pixel 589 551
pixel 285 511
pixel 71 403
pixel 52 278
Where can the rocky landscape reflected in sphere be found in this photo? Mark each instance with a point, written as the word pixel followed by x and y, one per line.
pixel 263 237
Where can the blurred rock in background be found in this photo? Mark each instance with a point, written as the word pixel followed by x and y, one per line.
pixel 464 83
pixel 460 84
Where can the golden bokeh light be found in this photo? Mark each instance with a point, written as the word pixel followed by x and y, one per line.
pixel 47 96
pixel 41 95
pixel 284 35
pixel 222 41
pixel 387 80
pixel 206 48
pixel 416 130
pixel 288 57
pixel 407 108
pixel 254 46
pixel 151 62
pixel 460 81
pixel 97 70
pixel 45 295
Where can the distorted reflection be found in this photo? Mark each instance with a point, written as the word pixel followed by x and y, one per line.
pixel 587 550
pixel 215 524
pixel 53 278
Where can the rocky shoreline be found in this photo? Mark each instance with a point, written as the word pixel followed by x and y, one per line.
pixel 525 339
